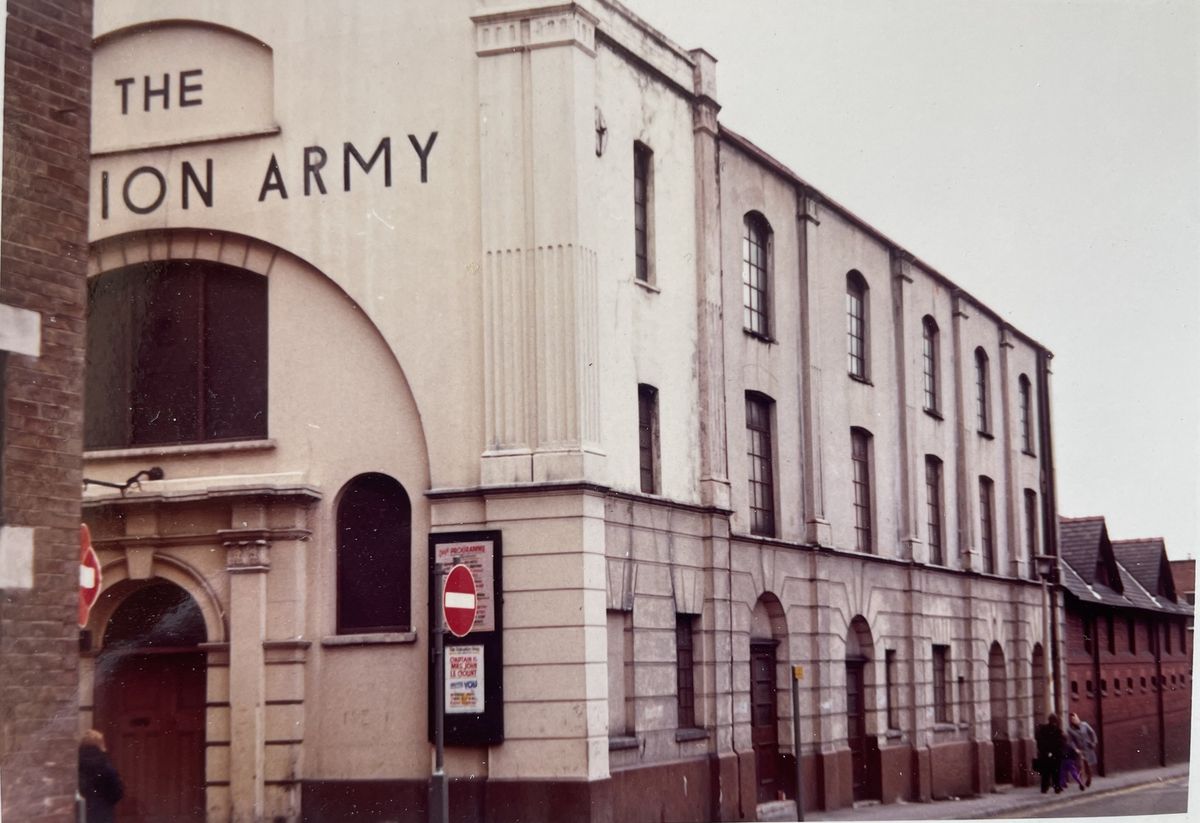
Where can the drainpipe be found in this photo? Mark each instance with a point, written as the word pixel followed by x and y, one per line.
pixel 1049 516
pixel 1158 676
pixel 1095 632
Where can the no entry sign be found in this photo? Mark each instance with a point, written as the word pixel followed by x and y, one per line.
pixel 458 601
pixel 89 574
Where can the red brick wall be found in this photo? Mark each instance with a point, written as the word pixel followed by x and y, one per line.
pixel 1129 689
pixel 43 254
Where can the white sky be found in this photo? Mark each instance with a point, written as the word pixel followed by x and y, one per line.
pixel 1043 155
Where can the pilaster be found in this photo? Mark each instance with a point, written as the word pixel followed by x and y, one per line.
pixel 817 529
pixel 965 501
pixel 1012 498
pixel 902 280
pixel 247 552
pixel 541 333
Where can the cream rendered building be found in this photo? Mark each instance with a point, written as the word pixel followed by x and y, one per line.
pixel 465 269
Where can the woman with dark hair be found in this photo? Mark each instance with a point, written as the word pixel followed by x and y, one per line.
pixel 1049 737
pixel 98 781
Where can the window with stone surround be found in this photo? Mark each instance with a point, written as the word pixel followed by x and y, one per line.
pixel 1025 407
pixel 983 401
pixel 941 683
pixel 643 211
pixel 685 674
pixel 987 524
pixel 648 438
pixel 176 353
pixel 857 330
pixel 929 359
pixel 760 451
pixel 374 556
pixel 861 474
pixel 756 275
pixel 933 509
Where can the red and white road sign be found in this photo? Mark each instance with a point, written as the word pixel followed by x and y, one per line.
pixel 459 601
pixel 89 574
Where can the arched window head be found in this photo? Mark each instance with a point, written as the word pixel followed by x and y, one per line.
pixel 756 275
pixel 374 556
pixel 930 354
pixel 857 331
pixel 1025 402
pixel 982 392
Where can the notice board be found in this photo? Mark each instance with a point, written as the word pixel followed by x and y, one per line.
pixel 473 666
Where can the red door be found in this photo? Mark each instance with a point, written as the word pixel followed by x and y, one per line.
pixel 150 707
pixel 764 730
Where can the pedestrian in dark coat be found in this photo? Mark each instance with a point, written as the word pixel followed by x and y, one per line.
pixel 99 784
pixel 1049 738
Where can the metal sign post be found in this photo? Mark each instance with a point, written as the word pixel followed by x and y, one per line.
pixel 439 800
pixel 797 674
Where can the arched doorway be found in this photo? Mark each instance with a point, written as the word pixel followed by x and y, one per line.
pixel 998 698
pixel 150 702
pixel 864 758
pixel 767 628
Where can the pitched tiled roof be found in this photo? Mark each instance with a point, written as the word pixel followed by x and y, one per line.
pixel 1143 558
pixel 1079 544
pixel 1139 564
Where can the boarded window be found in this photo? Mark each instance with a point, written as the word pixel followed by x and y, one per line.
pixel 374 556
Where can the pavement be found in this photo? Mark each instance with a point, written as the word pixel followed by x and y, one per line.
pixel 1006 801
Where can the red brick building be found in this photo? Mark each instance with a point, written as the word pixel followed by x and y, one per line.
pixel 43 226
pixel 1128 648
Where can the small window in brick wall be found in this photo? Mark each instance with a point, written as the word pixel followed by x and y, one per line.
pixel 1129 684
pixel 1089 688
pixel 1143 678
pixel 1103 685
pixel 1074 689
pixel 1112 636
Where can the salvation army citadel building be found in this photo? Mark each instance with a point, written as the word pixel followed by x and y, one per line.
pixel 462 279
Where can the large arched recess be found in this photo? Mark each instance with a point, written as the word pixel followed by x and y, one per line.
pixel 285 271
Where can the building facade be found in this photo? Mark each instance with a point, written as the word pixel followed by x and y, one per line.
pixel 43 227
pixel 1129 656
pixel 376 290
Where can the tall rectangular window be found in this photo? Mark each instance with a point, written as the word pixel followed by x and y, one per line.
pixel 1112 636
pixel 1025 400
pixel 685 674
pixel 856 324
pixel 762 470
pixel 1131 631
pixel 929 349
pixel 889 674
pixel 941 683
pixel 987 524
pixel 860 458
pixel 933 507
pixel 642 180
pixel 756 275
pixel 1031 531
pixel 648 437
pixel 982 399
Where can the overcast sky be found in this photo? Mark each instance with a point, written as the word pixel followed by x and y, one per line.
pixel 1046 157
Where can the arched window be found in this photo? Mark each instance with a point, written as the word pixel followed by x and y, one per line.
pixel 756 275
pixel 929 349
pixel 374 556
pixel 1026 411
pixel 982 392
pixel 176 353
pixel 856 325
